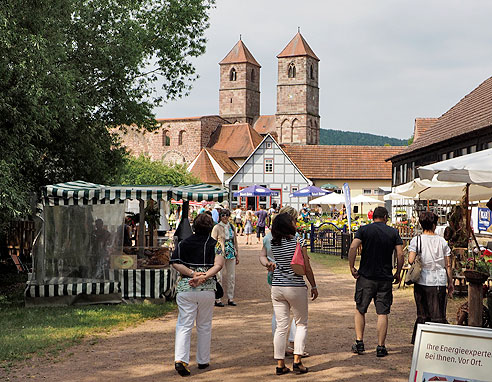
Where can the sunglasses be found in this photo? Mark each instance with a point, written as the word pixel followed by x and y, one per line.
pixel 222 215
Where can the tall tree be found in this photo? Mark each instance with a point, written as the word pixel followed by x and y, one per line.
pixel 71 70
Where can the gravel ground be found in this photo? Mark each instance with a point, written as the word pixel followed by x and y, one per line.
pixel 242 347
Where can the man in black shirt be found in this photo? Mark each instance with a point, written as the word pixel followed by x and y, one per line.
pixel 375 275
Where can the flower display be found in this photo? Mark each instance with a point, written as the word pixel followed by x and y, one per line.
pixel 481 263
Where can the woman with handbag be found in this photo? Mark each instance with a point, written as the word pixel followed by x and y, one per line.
pixel 225 235
pixel 289 291
pixel 196 261
pixel 265 256
pixel 435 274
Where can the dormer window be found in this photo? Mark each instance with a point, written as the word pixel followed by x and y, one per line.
pixel 233 75
pixel 292 70
pixel 311 72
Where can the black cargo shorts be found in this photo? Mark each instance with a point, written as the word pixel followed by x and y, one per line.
pixel 379 290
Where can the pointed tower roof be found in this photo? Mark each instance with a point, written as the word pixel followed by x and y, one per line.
pixel 298 47
pixel 239 54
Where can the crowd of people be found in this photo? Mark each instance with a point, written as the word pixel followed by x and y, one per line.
pixel 209 257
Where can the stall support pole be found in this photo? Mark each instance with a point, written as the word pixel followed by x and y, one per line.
pixel 141 228
pixel 475 298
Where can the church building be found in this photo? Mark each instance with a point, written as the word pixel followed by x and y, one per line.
pixel 181 140
pixel 239 147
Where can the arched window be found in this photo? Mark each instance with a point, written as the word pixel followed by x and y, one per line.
pixel 292 70
pixel 180 137
pixel 166 141
pixel 233 75
pixel 311 72
pixel 252 75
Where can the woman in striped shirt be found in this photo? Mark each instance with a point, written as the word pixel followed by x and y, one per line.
pixel 289 291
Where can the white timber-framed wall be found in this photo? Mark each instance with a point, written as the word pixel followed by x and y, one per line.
pixel 268 166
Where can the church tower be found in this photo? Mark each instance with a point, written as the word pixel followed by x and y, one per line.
pixel 239 94
pixel 297 117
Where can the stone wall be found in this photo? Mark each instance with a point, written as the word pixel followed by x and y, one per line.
pixel 176 141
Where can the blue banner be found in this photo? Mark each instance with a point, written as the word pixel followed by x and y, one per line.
pixel 484 221
pixel 348 205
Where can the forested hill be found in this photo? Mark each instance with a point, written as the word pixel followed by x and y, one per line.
pixel 338 137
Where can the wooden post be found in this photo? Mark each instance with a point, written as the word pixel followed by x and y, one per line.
pixel 475 298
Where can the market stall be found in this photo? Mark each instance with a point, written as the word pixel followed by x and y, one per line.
pixel 78 254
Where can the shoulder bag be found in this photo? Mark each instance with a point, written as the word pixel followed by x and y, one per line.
pixel 413 274
pixel 297 263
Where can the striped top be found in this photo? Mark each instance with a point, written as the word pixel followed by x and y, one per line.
pixel 283 275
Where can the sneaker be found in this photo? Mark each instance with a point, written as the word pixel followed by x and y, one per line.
pixel 231 303
pixel 219 304
pixel 358 347
pixel 381 351
pixel 182 368
pixel 203 365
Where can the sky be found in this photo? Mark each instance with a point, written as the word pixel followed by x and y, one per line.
pixel 383 63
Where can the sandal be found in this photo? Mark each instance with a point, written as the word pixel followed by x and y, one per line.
pixel 299 368
pixel 182 368
pixel 282 370
pixel 290 352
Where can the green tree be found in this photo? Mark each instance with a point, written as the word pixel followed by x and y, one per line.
pixel 144 171
pixel 72 70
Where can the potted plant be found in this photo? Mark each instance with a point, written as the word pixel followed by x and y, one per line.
pixel 478 269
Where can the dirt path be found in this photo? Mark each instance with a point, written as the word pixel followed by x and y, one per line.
pixel 242 347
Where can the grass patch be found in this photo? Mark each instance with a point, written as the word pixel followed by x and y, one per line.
pixel 334 264
pixel 25 332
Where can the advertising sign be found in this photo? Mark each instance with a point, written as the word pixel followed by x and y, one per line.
pixel 348 207
pixel 451 353
pixel 484 221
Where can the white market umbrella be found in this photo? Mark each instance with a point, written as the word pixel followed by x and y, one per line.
pixel 435 189
pixel 332 199
pixel 475 168
pixel 365 199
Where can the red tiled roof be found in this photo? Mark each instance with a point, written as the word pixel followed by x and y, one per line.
pixel 265 124
pixel 204 170
pixel 342 162
pixel 239 54
pixel 422 125
pixel 178 119
pixel 184 119
pixel 473 112
pixel 238 140
pixel 223 160
pixel 298 47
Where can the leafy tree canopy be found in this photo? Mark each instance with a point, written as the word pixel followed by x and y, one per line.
pixel 338 137
pixel 72 70
pixel 144 171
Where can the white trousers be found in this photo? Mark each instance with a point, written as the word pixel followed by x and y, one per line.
pixel 284 299
pixel 228 281
pixel 193 306
pixel 292 331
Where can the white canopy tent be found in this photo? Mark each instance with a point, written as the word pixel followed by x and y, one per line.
pixel 330 199
pixel 395 196
pixel 435 189
pixel 475 168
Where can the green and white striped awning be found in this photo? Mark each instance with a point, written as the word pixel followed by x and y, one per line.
pixel 80 193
